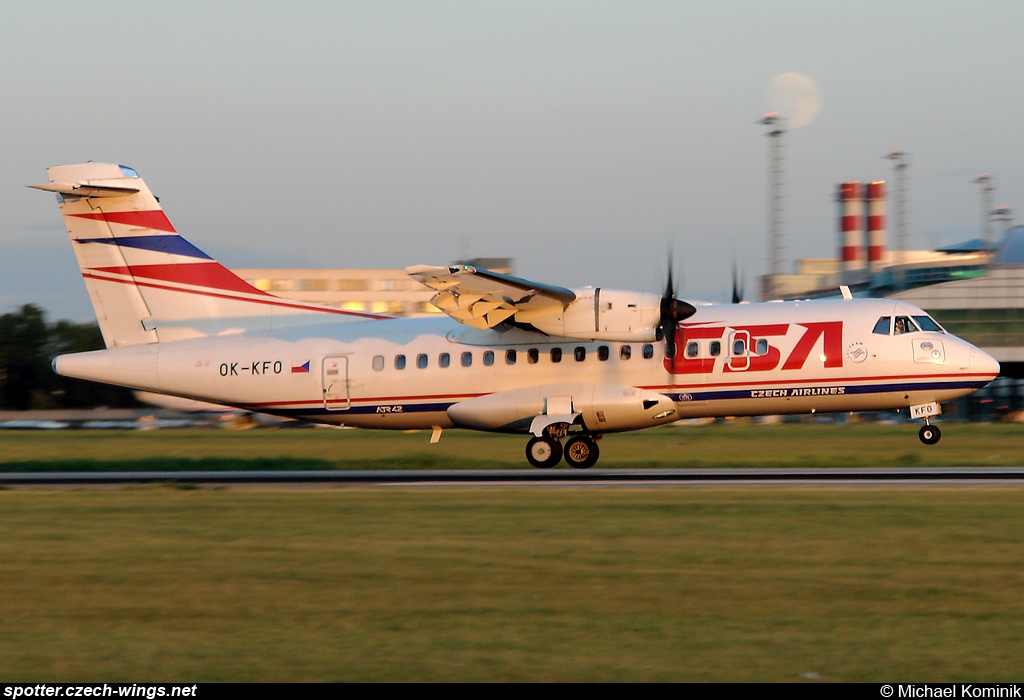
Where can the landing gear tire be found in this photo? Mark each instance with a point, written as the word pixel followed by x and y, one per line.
pixel 929 434
pixel 581 452
pixel 543 452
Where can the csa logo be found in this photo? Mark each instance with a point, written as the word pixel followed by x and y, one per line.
pixel 856 352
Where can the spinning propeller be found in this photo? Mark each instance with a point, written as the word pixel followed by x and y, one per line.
pixel 672 312
pixel 737 287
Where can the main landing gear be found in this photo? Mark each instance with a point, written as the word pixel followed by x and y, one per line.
pixel 580 452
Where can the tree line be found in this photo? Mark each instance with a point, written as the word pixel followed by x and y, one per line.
pixel 27 345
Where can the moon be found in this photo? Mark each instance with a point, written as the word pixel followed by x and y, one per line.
pixel 796 97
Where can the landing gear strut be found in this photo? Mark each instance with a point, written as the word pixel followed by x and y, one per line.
pixel 929 433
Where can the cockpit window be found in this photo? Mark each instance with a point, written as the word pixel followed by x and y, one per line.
pixel 904 325
pixel 882 325
pixel 927 323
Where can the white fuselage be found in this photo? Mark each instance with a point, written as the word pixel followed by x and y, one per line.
pixel 792 357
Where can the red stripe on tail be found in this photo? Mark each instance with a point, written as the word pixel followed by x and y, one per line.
pixel 155 219
pixel 205 274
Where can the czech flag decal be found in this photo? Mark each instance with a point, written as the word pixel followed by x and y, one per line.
pixel 300 368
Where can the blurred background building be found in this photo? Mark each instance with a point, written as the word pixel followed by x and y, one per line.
pixel 975 288
pixel 385 291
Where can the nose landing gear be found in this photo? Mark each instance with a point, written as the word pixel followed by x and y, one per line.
pixel 929 434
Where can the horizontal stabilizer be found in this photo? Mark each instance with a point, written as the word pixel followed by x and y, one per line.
pixel 82 189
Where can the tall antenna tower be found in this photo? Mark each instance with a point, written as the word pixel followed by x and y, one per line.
pixel 900 163
pixel 775 123
pixel 988 187
pixel 1004 216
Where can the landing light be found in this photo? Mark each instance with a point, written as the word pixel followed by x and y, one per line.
pixel 822 358
pixel 665 414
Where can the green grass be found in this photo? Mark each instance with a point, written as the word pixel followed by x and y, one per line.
pixel 567 584
pixel 719 445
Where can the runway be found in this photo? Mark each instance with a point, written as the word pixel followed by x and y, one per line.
pixel 807 476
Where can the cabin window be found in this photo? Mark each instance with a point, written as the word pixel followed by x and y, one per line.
pixel 648 352
pixel 715 348
pixel 625 352
pixel 761 346
pixel 692 349
pixel 532 355
pixel 378 363
pixel 927 323
pixel 399 361
pixel 882 325
pixel 510 357
pixel 489 358
pixel 602 353
pixel 556 355
pixel 421 361
pixel 580 354
pixel 444 359
pixel 467 359
pixel 739 347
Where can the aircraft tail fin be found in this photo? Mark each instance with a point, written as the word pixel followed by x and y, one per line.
pixel 147 284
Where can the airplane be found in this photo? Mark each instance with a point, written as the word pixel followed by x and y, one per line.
pixel 509 355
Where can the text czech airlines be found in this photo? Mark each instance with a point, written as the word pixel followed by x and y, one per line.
pixel 802 391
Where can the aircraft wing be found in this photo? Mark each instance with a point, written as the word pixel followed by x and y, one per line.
pixel 483 299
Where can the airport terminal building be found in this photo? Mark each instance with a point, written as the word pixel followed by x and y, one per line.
pixel 384 291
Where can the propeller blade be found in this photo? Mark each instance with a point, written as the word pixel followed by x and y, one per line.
pixel 673 311
pixel 737 290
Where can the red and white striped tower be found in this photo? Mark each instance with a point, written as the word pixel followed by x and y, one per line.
pixel 851 205
pixel 875 196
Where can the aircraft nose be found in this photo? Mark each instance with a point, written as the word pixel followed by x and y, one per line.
pixel 983 363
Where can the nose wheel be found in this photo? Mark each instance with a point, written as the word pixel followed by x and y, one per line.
pixel 929 434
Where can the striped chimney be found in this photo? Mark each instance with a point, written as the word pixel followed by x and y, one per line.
pixel 875 195
pixel 850 207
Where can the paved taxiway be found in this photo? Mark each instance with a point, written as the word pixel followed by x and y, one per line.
pixel 529 477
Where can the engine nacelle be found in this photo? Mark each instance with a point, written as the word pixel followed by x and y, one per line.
pixel 601 314
pixel 601 408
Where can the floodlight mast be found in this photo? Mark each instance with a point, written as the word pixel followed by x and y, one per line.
pixel 776 128
pixel 988 187
pixel 901 161
pixel 1003 215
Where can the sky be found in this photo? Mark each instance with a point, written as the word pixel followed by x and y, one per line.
pixel 584 139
